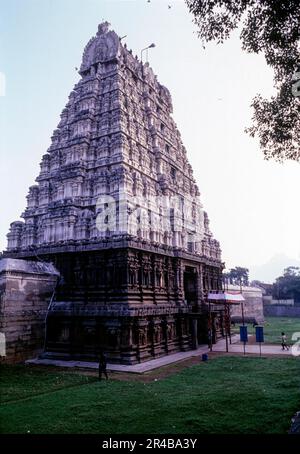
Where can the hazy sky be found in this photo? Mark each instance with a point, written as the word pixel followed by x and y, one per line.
pixel 253 204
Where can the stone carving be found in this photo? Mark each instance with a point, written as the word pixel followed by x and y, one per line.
pixel 103 47
pixel 103 28
pixel 94 133
pixel 142 336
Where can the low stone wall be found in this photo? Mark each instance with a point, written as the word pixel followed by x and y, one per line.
pixel 281 311
pixel 268 300
pixel 26 289
pixel 253 305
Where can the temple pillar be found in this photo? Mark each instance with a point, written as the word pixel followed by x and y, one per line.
pixel 194 333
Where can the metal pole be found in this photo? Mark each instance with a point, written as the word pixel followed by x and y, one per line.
pixel 226 327
pixel 241 290
pixel 146 48
pixel 210 328
pixel 243 318
pixel 229 324
pixel 243 314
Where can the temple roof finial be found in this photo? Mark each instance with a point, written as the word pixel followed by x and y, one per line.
pixel 103 28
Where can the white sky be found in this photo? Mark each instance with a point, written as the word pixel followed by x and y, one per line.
pixel 253 204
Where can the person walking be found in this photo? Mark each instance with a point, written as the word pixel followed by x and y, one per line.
pixel 102 366
pixel 284 344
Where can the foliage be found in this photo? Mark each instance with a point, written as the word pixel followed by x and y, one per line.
pixel 288 285
pixel 270 27
pixel 201 399
pixel 237 276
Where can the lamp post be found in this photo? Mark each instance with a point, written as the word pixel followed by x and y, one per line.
pixel 146 48
pixel 210 327
pixel 243 315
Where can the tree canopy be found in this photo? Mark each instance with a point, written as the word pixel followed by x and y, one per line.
pixel 270 27
pixel 237 276
pixel 288 285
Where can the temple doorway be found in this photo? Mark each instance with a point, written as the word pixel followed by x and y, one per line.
pixel 190 286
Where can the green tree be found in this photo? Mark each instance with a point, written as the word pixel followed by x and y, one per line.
pixel 237 276
pixel 288 285
pixel 270 27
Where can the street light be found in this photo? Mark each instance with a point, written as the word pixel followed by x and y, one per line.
pixel 146 48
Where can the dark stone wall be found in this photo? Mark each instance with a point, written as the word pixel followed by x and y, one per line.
pixel 25 292
pixel 124 339
pixel 134 304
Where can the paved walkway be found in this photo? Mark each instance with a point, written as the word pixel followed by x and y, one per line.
pixel 254 349
pixel 220 346
pixel 137 368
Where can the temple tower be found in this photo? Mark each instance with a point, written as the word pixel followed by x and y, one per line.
pixel 117 210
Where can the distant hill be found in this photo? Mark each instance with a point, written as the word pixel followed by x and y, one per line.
pixel 269 271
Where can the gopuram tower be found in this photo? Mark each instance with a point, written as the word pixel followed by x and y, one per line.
pixel 116 210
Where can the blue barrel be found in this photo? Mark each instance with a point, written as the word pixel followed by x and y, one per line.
pixel 243 334
pixel 259 332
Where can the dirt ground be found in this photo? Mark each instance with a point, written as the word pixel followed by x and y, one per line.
pixel 156 374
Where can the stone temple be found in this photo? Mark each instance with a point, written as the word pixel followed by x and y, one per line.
pixel 116 210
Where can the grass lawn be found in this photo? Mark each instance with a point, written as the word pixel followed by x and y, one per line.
pixel 224 395
pixel 274 326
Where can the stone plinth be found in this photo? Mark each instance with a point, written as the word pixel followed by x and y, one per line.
pixel 26 289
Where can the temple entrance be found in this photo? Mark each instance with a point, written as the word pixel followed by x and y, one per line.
pixel 191 298
pixel 190 286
